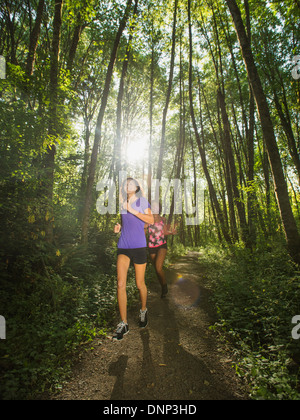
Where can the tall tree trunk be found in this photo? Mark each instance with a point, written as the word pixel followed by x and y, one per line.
pixel 224 155
pixel 212 191
pixel 232 168
pixel 11 32
pixel 34 36
pixel 118 142
pixel 281 190
pixel 287 127
pixel 97 139
pixel 163 131
pixel 250 150
pixel 251 197
pixel 74 43
pixel 150 151
pixel 222 163
pixel 179 162
pixel 228 141
pixel 197 227
pixel 53 129
pixel 225 136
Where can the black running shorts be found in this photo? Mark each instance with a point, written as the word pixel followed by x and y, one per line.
pixel 136 255
pixel 155 249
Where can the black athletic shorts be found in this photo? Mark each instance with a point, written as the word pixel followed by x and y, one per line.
pixel 157 248
pixel 136 255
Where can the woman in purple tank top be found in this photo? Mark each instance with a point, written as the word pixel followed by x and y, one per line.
pixel 132 247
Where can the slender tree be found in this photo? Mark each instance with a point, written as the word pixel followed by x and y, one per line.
pixel 165 111
pixel 211 188
pixel 250 149
pixel 53 118
pixel 281 190
pixel 34 36
pixel 97 138
pixel 118 141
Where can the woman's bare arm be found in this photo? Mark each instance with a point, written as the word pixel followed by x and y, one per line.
pixel 146 217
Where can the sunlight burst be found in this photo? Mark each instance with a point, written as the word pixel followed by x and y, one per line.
pixel 137 150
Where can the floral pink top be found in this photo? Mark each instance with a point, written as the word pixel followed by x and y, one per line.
pixel 156 234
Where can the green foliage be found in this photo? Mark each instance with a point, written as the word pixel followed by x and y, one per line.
pixel 174 251
pixel 256 296
pixel 56 296
pixel 51 314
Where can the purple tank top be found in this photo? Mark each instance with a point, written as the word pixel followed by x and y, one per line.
pixel 132 232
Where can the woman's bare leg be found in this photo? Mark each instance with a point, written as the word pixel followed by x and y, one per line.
pixel 159 262
pixel 123 263
pixel 140 270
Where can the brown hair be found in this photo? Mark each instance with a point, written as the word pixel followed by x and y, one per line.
pixel 123 191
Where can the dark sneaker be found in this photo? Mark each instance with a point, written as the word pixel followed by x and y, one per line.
pixel 164 290
pixel 143 321
pixel 122 329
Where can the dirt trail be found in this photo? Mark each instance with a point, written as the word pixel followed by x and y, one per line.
pixel 176 357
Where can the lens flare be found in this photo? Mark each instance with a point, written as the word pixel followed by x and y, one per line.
pixel 185 292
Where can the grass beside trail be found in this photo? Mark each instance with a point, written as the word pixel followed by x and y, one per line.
pixel 256 296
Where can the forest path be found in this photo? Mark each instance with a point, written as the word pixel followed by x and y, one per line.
pixel 176 357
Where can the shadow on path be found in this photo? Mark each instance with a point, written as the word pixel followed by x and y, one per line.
pixel 179 356
pixel 117 369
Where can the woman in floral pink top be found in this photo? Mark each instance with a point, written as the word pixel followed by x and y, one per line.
pixel 157 245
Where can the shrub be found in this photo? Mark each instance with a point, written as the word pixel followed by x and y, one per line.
pixel 49 315
pixel 256 296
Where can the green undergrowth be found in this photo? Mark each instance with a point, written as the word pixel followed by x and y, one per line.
pixel 55 305
pixel 256 295
pixel 51 313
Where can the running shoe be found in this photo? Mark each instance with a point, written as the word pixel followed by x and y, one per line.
pixel 164 290
pixel 122 329
pixel 143 321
